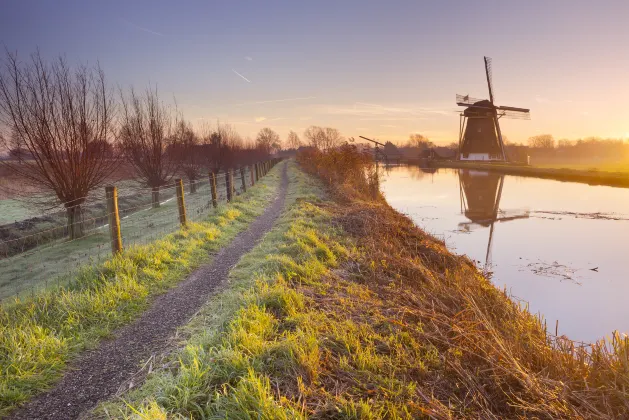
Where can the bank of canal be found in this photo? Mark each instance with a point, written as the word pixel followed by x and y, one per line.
pixel 559 246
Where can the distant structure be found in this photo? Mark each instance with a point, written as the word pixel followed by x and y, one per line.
pixel 480 138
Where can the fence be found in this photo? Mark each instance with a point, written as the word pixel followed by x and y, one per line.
pixel 110 220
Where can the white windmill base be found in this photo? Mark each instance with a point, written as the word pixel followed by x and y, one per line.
pixel 480 157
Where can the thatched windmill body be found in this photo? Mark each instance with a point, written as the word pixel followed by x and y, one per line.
pixel 480 137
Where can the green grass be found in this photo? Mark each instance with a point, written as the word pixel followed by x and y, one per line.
pixel 12 210
pixel 39 334
pixel 56 262
pixel 241 341
pixel 270 351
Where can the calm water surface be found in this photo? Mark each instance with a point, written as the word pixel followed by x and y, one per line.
pixel 562 247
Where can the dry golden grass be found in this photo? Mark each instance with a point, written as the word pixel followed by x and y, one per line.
pixel 482 355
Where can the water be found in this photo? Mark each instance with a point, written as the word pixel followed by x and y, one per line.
pixel 562 247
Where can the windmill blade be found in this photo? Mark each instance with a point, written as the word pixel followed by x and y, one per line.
pixel 466 100
pixel 489 78
pixel 515 115
pixel 513 108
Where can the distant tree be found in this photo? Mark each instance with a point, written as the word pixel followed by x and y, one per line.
pixel 19 154
pixel 219 144
pixel 188 153
pixel 293 141
pixel 147 137
pixel 542 141
pixel 268 140
pixel 323 138
pixel 419 140
pixel 564 143
pixel 60 121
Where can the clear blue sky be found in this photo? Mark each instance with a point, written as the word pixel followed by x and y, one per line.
pixel 375 68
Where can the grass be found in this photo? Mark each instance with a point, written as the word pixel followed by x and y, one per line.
pixel 347 310
pixel 618 167
pixel 568 173
pixel 40 334
pixel 56 262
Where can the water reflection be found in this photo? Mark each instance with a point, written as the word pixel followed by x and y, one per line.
pixel 480 194
pixel 559 246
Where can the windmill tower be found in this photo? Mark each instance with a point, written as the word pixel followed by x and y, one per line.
pixel 480 137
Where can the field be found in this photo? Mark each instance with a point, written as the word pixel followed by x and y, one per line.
pixel 35 259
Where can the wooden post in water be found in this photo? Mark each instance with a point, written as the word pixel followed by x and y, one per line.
pixel 228 186
pixel 213 187
pixel 180 201
pixel 114 219
pixel 242 178
pixel 252 175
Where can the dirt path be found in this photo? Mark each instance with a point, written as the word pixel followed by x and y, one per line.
pixel 99 373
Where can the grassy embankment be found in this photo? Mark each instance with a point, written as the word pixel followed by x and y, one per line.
pixel 40 334
pixel 347 310
pixel 571 173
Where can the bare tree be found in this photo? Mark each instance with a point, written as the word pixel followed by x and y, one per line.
pixel 293 141
pixel 420 141
pixel 187 152
pixel 323 138
pixel 146 135
pixel 61 121
pixel 218 145
pixel 268 140
pixel 545 141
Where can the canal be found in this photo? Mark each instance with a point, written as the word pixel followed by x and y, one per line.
pixel 562 247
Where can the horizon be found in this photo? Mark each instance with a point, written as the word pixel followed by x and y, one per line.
pixel 375 70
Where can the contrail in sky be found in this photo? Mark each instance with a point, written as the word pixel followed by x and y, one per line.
pixel 247 80
pixel 275 100
pixel 141 28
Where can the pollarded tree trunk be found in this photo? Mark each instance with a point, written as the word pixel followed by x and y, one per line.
pixel 155 197
pixel 75 221
pixel 193 186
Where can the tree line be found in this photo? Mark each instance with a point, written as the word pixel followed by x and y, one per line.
pixel 67 131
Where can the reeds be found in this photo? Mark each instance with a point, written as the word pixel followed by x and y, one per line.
pixel 496 359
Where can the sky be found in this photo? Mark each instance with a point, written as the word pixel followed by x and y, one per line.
pixel 381 69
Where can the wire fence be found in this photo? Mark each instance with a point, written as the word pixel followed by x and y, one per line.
pixel 49 250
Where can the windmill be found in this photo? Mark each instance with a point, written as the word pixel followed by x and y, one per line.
pixel 480 194
pixel 480 137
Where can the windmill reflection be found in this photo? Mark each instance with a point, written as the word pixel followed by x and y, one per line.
pixel 480 194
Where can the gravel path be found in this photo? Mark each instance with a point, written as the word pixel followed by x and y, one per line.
pixel 99 373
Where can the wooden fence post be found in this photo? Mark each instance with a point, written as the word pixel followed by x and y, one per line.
pixel 252 175
pixel 213 187
pixel 228 185
pixel 231 182
pixel 180 201
pixel 114 219
pixel 242 178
